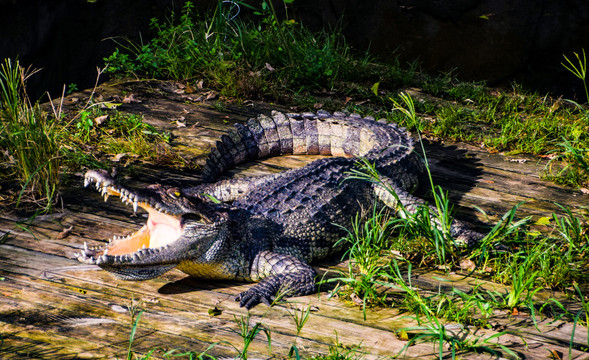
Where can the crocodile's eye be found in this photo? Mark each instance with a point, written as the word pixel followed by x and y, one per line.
pixel 175 193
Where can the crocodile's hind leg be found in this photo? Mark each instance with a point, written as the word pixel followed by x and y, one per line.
pixel 280 275
pixel 403 203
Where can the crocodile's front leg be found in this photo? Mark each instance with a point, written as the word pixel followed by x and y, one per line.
pixel 279 274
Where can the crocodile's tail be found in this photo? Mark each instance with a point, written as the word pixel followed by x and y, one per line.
pixel 322 133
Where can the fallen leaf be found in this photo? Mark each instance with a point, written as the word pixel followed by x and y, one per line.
pixel 99 120
pixel 467 264
pixel 152 300
pixel 211 95
pixel 584 191
pixel 215 312
pixel 65 233
pixel 317 106
pixel 514 312
pixel 180 124
pixel 269 67
pixel 109 105
pixel 348 99
pixel 199 84
pixel 189 89
pixel 130 99
pixel 118 157
pixel 554 355
pixel 356 299
pixel 544 220
pixel 402 335
pixel 374 88
pixel 487 181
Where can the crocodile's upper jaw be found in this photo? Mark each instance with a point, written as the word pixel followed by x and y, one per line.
pixel 146 253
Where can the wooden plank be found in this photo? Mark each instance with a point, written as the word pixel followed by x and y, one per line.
pixel 101 289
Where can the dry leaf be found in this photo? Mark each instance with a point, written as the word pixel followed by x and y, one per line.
pixel 467 264
pixel 99 120
pixel 269 67
pixel 402 335
pixel 199 84
pixel 180 124
pixel 584 190
pixel 555 355
pixel 189 89
pixel 130 99
pixel 215 312
pixel 211 95
pixel 356 299
pixel 317 106
pixel 118 157
pixel 65 233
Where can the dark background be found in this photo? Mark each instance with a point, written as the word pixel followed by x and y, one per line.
pixel 498 41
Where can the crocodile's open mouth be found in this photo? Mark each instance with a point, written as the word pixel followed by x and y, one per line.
pixel 161 229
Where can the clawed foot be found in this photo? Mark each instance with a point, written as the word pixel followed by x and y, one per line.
pixel 253 297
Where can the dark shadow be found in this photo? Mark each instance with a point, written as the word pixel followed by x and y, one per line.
pixel 32 349
pixel 456 170
pixel 192 284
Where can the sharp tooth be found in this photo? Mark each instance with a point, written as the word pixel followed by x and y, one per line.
pixel 85 246
pixel 105 252
pixel 143 247
pixel 105 197
pixel 87 181
pixel 102 259
pixel 135 205
pixel 84 253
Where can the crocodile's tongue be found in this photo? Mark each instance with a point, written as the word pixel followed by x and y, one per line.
pixel 161 229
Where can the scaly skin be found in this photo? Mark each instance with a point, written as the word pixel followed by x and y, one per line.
pixel 265 229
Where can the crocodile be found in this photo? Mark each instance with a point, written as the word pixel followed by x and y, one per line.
pixel 266 229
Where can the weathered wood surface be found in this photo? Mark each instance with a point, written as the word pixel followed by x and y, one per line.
pixel 51 307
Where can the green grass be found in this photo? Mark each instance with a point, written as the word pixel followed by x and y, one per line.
pixel 30 139
pixel 239 58
pixel 38 148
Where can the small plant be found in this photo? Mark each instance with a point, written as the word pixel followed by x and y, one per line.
pixel 30 139
pixel 579 69
pixel 366 242
pixel 300 318
pixel 248 333
pixel 339 351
